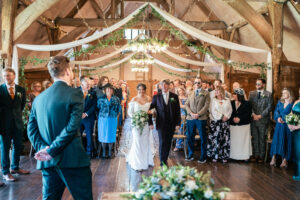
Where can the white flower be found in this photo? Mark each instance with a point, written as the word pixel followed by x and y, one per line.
pixel 208 193
pixel 171 194
pixel 222 195
pixel 139 193
pixel 191 185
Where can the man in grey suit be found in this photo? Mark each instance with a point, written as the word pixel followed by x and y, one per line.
pixel 261 102
pixel 197 106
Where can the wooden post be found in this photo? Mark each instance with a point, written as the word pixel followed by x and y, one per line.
pixel 7 18
pixel 122 9
pixel 172 7
pixel 276 12
pixel 113 9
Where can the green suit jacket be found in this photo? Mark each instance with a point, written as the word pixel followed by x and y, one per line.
pixel 11 110
pixel 54 121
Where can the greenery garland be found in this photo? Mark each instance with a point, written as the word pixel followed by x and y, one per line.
pixel 182 76
pixel 242 65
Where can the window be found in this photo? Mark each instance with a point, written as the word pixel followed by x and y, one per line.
pixel 130 34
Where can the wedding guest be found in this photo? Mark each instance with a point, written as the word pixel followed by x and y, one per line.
pixel 217 83
pixel 261 103
pixel 240 131
pixel 109 109
pixel 96 81
pixel 282 138
pixel 204 85
pixel 89 113
pixel 227 94
pixel 118 93
pixel 189 87
pixel 125 100
pixel 99 90
pixel 12 103
pixel 218 147
pixel 36 88
pixel 209 86
pixel 182 99
pixel 197 106
pixel 172 87
pixel 53 130
pixel 157 89
pixel 46 84
pixel 177 84
pixel 296 140
pixel 236 85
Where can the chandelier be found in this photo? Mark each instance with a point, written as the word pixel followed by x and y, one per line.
pixel 139 69
pixel 148 45
pixel 142 61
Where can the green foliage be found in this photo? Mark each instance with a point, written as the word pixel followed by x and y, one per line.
pixel 292 119
pixel 139 120
pixel 178 183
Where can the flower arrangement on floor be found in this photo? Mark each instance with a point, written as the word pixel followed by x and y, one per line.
pixel 292 119
pixel 178 183
pixel 139 120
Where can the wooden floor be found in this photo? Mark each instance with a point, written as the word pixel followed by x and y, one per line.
pixel 259 180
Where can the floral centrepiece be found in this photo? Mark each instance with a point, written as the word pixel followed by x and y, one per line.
pixel 178 182
pixel 292 119
pixel 139 120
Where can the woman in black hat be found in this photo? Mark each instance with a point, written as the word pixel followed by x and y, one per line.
pixel 109 109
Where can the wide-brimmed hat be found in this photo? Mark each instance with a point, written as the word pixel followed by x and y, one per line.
pixel 108 85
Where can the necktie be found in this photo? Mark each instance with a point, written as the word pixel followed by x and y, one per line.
pixel 258 95
pixel 197 93
pixel 11 93
pixel 84 95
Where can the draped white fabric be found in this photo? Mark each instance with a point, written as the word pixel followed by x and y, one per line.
pixel 201 35
pixel 189 61
pixel 112 64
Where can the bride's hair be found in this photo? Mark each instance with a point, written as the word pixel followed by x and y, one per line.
pixel 141 85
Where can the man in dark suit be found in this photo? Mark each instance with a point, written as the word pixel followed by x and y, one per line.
pixel 1 127
pixel 167 119
pixel 53 130
pixel 89 113
pixel 12 103
pixel 261 102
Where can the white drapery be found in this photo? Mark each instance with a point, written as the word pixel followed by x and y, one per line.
pixel 76 43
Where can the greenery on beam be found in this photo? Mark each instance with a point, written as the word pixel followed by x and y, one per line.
pixel 241 65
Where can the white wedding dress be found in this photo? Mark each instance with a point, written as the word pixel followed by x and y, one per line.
pixel 141 153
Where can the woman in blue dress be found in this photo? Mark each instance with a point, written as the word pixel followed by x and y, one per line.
pixel 109 109
pixel 282 139
pixel 296 140
pixel 182 99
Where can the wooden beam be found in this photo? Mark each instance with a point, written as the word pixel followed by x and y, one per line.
pixel 75 9
pixel 254 18
pixel 164 4
pixel 277 22
pixel 113 9
pixel 204 8
pixel 8 12
pixel 122 9
pixel 172 7
pixel 97 9
pixel 296 5
pixel 244 22
pixel 30 14
pixel 154 24
pixel 110 8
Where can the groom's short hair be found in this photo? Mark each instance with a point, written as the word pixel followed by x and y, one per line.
pixel 166 81
pixel 58 65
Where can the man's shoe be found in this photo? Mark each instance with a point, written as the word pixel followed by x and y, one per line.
pixel 202 161
pixel 2 184
pixel 20 171
pixel 260 160
pixel 9 177
pixel 253 159
pixel 190 158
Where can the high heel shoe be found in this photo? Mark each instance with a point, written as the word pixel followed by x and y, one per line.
pixel 273 162
pixel 284 165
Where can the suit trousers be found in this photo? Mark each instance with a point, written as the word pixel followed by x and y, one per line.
pixel 15 135
pixel 259 136
pixel 165 140
pixel 77 180
pixel 201 126
pixel 88 126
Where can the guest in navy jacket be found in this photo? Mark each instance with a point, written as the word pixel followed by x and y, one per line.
pixel 89 113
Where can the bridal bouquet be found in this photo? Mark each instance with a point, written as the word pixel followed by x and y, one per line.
pixel 292 119
pixel 139 120
pixel 178 183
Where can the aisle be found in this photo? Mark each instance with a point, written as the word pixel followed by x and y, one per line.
pixel 260 181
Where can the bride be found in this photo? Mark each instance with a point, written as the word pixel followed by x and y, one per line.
pixel 141 153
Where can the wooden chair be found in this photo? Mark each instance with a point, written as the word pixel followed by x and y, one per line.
pixel 270 132
pixel 181 136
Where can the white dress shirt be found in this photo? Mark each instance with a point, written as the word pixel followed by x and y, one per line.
pixel 166 97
